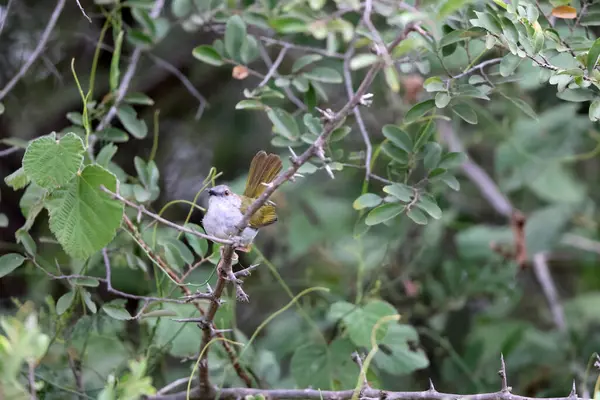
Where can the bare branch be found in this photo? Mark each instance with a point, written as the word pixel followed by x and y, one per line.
pixel 9 151
pixel 478 67
pixel 542 273
pixel 32 380
pixel 38 50
pixel 274 66
pixel 83 11
pixel 308 49
pixel 288 92
pixel 6 10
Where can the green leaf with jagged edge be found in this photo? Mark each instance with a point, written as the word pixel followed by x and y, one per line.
pixel 17 180
pixel 83 218
pixel 51 163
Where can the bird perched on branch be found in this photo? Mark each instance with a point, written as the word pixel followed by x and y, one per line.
pixel 226 209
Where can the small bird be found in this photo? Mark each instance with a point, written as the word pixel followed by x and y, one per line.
pixel 226 209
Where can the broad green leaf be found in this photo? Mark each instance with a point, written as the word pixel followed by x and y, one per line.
pixel 451 181
pixel 401 358
pixel 310 366
pixel 384 213
pixel 51 163
pixel 594 111
pixel 83 218
pixel 452 160
pixel 113 135
pixel 366 200
pixel 450 6
pixel 76 118
pixel 87 298
pixel 509 64
pixel 523 106
pixel 106 154
pixel 17 180
pixel 138 38
pixel 593 54
pixel 442 99
pixel 429 205
pixel 576 95
pixel 64 302
pixel 249 50
pixel 86 281
pixel 418 110
pixel 9 262
pixel 465 112
pixel 235 36
pixel 288 25
pixel 199 244
pixel 139 99
pixel 208 55
pixel 313 124
pixel 417 216
pixel 339 133
pixel 360 321
pixel 398 137
pixel 284 123
pixel 324 74
pixel 391 78
pixel 433 155
pixel 364 60
pixel 545 227
pixel 128 117
pixel 434 84
pixel 116 309
pixel 250 104
pixel 27 241
pixel 305 60
pixel 399 190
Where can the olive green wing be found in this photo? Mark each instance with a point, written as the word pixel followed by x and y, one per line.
pixel 263 169
pixel 264 216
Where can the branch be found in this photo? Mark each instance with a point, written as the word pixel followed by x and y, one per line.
pixel 31 379
pixel 273 67
pixel 142 210
pixel 38 50
pixel 6 10
pixel 288 92
pixel 540 263
pixel 478 66
pixel 290 45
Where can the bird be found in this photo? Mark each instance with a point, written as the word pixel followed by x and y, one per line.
pixel 226 209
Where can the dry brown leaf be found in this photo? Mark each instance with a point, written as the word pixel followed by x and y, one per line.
pixel 564 12
pixel 239 72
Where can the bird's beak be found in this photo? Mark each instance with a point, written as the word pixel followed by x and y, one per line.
pixel 211 192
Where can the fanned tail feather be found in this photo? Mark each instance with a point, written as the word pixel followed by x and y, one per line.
pixel 263 169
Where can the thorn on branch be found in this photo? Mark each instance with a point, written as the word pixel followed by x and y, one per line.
pixel 246 272
pixel 573 393
pixel 240 295
pixel 431 387
pixel 321 154
pixel 327 114
pixel 502 373
pixel 366 99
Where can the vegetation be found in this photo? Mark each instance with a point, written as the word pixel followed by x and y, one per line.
pixel 437 206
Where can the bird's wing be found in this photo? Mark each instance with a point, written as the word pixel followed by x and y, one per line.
pixel 264 216
pixel 263 169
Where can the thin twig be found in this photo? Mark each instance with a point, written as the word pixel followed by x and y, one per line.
pixel 6 10
pixel 309 49
pixel 9 151
pixel 83 11
pixel 478 67
pixel 274 66
pixel 38 50
pixel 160 219
pixel 540 263
pixel 288 92
pixel 32 381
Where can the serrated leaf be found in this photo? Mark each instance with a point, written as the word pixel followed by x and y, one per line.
pixel 284 123
pixel 465 112
pixel 17 180
pixel 360 321
pixel 64 302
pixel 305 60
pixel 324 74
pixel 417 216
pixel 128 117
pixel 51 163
pixel 83 218
pixel 366 200
pixel 433 155
pixel 116 309
pixel 235 35
pixel 418 110
pixel 310 365
pixel 10 262
pixel 384 213
pixel 398 137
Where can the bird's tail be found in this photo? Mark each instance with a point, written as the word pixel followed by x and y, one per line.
pixel 263 169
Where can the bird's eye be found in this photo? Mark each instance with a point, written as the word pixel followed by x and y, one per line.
pixel 227 193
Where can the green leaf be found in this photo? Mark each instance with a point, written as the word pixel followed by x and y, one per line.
pixel 305 60
pixel 250 104
pixel 87 298
pixel 366 200
pixel 451 6
pixel 576 95
pixel 399 190
pixel 324 74
pixel 594 111
pixel 339 133
pixel 139 99
pixel 399 156
pixel 249 50
pixel 442 99
pixel 2 108
pixel 384 213
pixel 452 160
pixel 208 55
pixel 83 218
pixel 360 321
pixel 128 117
pixel 26 240
pixel 17 180
pixel 235 36
pixel 113 135
pixel 64 302
pixel 398 137
pixel 310 366
pixel 400 357
pixel 364 60
pixel 313 124
pixel 116 309
pixel 76 118
pixel 429 205
pixel 417 216
pixel 106 154
pixel 287 25
pixel 509 64
pixel 9 262
pixel 391 78
pixel 465 112
pixel 523 106
pixel 51 163
pixel 86 281
pixel 433 155
pixel 284 123
pixel 434 84
pixel 114 63
pixel 451 181
pixel 199 244
pixel 3 220
pixel 138 38
pixel 418 110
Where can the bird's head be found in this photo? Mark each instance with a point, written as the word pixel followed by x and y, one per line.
pixel 222 195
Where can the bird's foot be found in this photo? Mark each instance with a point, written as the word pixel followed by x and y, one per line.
pixel 239 245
